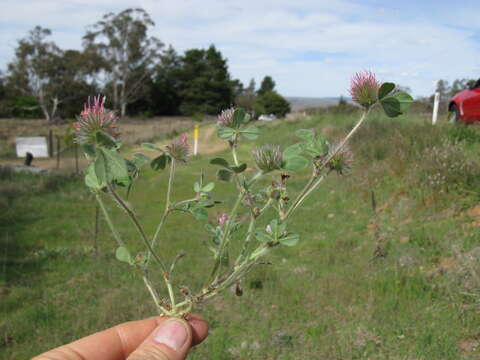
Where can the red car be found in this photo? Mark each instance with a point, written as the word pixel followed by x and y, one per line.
pixel 465 106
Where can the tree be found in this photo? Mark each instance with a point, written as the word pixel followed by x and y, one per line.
pixel 267 85
pixel 165 94
pixel 247 98
pixel 205 84
pixel 272 103
pixel 129 54
pixel 34 71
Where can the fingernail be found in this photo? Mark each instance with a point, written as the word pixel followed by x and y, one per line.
pixel 172 333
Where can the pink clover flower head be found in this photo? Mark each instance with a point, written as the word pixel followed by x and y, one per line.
pixel 226 117
pixel 97 106
pixel 222 219
pixel 93 119
pixel 364 88
pixel 179 149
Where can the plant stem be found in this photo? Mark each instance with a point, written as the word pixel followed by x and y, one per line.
pixel 304 190
pixel 251 228
pixel 170 289
pixel 152 292
pixel 167 208
pixel 116 235
pixel 226 231
pixel 137 225
pixel 312 184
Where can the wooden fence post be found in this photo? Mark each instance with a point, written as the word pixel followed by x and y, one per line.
pixel 58 151
pixel 50 143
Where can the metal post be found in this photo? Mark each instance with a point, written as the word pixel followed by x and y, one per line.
pixel 436 102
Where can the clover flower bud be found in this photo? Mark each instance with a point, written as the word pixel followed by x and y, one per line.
pixel 222 219
pixel 342 161
pixel 226 117
pixel 93 119
pixel 268 157
pixel 364 88
pixel 179 149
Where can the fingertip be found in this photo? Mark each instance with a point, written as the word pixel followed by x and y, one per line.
pixel 199 328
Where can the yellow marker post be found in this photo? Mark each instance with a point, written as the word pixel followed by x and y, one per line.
pixel 195 139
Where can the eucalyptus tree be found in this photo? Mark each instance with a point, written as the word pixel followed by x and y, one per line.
pixel 129 54
pixel 33 72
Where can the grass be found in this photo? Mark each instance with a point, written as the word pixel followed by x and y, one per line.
pixel 327 298
pixel 134 131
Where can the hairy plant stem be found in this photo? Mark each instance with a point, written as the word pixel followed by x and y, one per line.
pixel 225 235
pixel 251 229
pixel 112 227
pixel 314 179
pixel 120 242
pixel 167 208
pixel 238 272
pixel 136 223
pixel 153 292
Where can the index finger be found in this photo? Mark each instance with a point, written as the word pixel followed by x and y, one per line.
pixel 118 342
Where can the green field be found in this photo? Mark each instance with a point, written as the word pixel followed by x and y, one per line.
pixel 400 282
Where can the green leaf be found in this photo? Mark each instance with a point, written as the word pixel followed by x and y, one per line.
pixel 200 213
pixel 110 166
pixel 250 132
pixel 103 139
pixel 152 146
pixel 385 89
pixel 247 118
pixel 295 163
pixel 305 134
pixel 209 187
pixel 196 187
pixel 238 117
pixel 391 106
pixel 159 162
pixel 290 240
pixel 206 203
pixel 293 150
pixel 91 179
pixel 397 104
pixel 405 101
pixel 238 169
pixel 140 160
pixel 225 132
pixel 263 236
pixel 89 150
pixel 220 162
pixel 122 254
pixel 224 175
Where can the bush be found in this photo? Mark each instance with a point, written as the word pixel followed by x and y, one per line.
pixel 271 103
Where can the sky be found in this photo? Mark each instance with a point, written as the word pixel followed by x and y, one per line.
pixel 310 47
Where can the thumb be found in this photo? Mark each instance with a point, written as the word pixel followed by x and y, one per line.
pixel 171 340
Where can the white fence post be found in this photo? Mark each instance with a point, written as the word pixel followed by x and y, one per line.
pixel 436 102
pixel 195 140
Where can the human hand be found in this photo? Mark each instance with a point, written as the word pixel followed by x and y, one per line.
pixel 158 338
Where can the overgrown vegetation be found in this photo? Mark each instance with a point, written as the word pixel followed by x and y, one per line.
pixel 133 68
pixel 417 299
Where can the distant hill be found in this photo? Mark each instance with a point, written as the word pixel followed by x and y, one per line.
pixel 298 103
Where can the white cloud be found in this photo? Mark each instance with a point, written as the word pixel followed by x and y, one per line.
pixel 310 48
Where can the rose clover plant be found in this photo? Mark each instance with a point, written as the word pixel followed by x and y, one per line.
pixel 109 171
